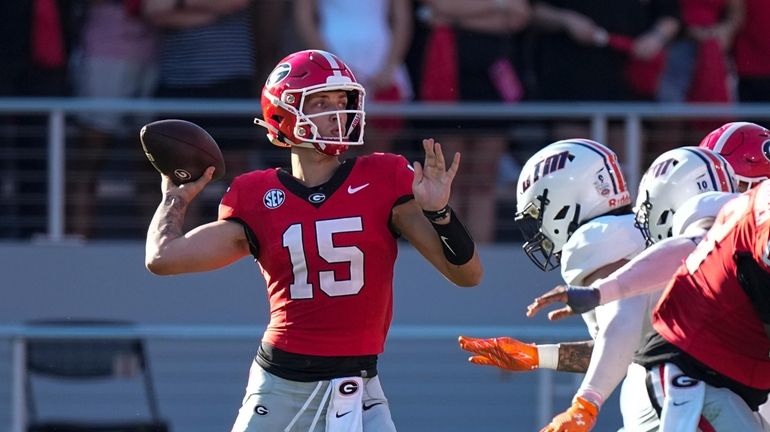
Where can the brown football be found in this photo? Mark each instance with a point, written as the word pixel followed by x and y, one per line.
pixel 181 150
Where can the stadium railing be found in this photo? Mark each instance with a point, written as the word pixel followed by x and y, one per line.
pixel 598 114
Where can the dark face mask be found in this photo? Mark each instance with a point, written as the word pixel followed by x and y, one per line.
pixel 537 246
pixel 642 220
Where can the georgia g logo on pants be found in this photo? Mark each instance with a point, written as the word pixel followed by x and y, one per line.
pixel 348 388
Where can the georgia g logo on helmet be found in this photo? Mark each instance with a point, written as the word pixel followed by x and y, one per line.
pixel 278 74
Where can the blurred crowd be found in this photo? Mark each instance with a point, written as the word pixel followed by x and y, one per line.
pixel 401 50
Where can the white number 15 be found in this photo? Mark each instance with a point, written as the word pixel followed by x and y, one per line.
pixel 325 230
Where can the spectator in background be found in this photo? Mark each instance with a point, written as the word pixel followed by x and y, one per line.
pixel 270 45
pixel 207 52
pixel 596 50
pixel 373 37
pixel 752 45
pixel 576 61
pixel 117 59
pixel 696 66
pixel 36 38
pixel 467 58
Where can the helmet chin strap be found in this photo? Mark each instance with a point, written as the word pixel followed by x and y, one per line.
pixel 278 133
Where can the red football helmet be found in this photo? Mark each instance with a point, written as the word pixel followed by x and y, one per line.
pixel 283 97
pixel 746 146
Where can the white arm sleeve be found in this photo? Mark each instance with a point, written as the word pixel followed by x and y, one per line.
pixel 648 272
pixel 621 326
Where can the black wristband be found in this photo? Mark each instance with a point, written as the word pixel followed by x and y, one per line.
pixel 456 242
pixel 437 214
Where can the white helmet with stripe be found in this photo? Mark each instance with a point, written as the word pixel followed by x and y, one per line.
pixel 561 186
pixel 674 177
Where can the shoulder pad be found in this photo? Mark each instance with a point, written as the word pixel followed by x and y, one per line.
pixel 697 208
pixel 597 243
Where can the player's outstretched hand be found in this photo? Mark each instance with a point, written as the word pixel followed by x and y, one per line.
pixel 186 191
pixel 578 300
pixel 432 180
pixel 503 352
pixel 580 417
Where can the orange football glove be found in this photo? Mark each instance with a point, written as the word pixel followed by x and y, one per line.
pixel 503 352
pixel 580 417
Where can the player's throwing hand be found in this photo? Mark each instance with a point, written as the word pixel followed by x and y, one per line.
pixel 186 191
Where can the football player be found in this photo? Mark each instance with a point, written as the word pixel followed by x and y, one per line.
pixel 324 236
pixel 746 144
pixel 673 177
pixel 707 360
pixel 574 209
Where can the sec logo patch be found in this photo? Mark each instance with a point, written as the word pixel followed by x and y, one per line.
pixel 274 198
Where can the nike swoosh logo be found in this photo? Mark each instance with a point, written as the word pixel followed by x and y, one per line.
pixel 343 414
pixel 368 407
pixel 444 239
pixel 352 190
pixel 682 403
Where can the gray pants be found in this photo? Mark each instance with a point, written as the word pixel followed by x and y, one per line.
pixel 722 409
pixel 271 403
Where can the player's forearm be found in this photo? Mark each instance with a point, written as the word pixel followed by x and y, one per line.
pixel 165 227
pixel 620 334
pixel 566 356
pixel 575 356
pixel 648 272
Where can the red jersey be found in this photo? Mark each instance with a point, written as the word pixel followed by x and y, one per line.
pixel 705 312
pixel 327 253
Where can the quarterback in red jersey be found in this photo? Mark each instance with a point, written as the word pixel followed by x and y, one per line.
pixel 711 345
pixel 325 237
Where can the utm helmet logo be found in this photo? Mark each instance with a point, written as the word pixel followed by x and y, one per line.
pixel 549 165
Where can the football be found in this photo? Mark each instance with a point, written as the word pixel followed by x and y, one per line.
pixel 181 150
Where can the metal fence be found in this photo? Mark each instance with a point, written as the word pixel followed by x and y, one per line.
pixel 599 116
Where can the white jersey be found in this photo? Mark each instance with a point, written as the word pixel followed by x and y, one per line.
pixel 618 327
pixel 644 276
pixel 651 270
pixel 595 244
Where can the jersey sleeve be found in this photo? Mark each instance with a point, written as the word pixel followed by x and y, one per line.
pixel 598 243
pixel 648 272
pixel 404 176
pixel 762 246
pixel 761 238
pixel 621 325
pixel 696 209
pixel 228 207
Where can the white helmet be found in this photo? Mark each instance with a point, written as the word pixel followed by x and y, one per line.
pixel 563 185
pixel 673 178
